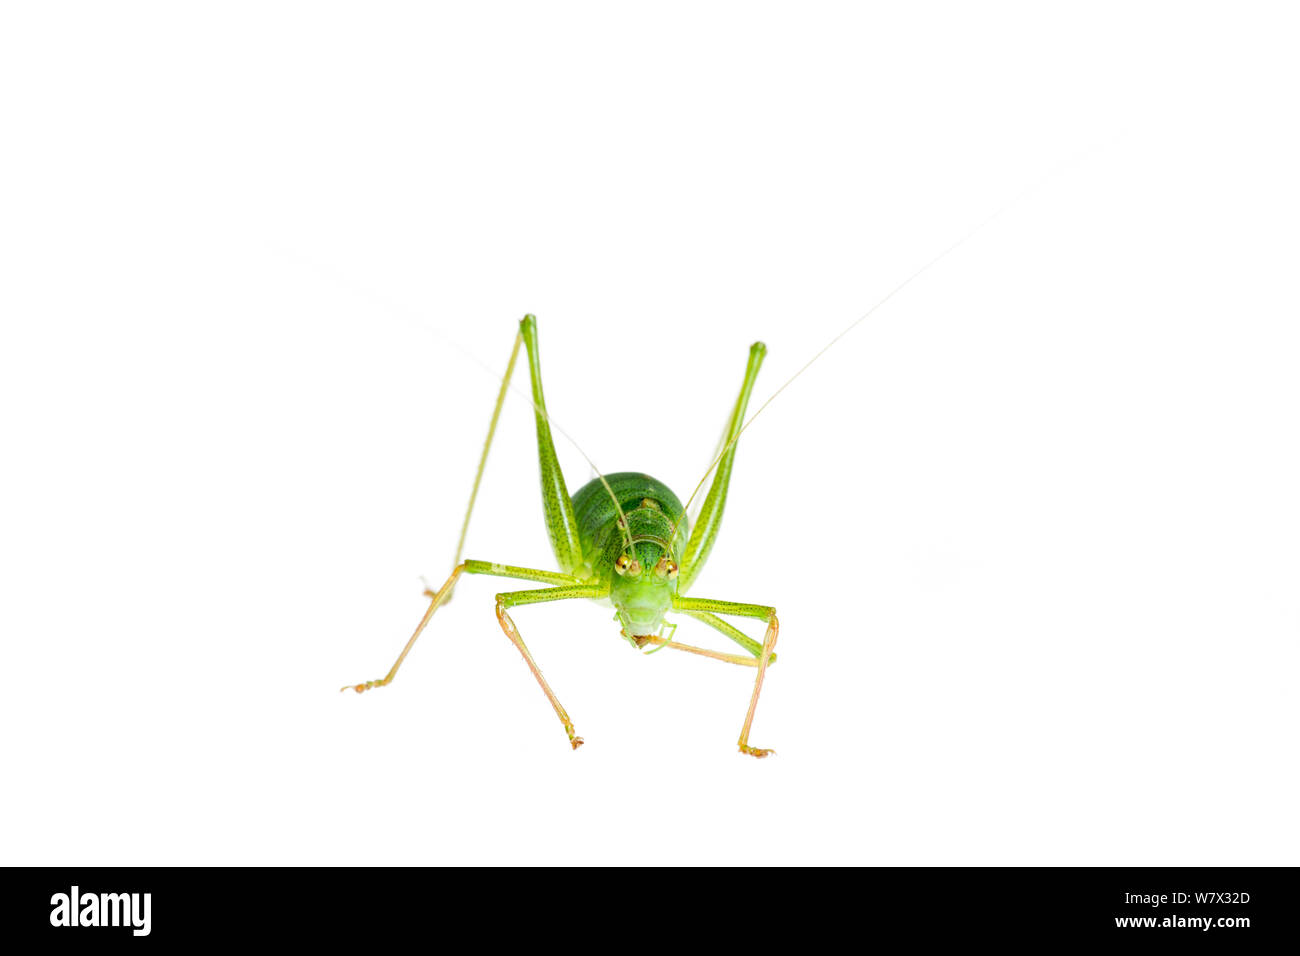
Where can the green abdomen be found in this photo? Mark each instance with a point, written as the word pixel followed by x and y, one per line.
pixel 651 509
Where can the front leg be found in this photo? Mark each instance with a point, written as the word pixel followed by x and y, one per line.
pixel 514 599
pixel 762 613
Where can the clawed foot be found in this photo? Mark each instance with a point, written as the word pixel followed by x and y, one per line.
pixel 362 688
pixel 755 751
pixel 574 740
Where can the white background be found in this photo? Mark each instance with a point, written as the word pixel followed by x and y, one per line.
pixel 1032 528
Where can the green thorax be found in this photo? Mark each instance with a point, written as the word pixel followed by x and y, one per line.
pixel 652 511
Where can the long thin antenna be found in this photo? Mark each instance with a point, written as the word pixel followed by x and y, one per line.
pixel 1057 170
pixel 389 306
pixel 829 345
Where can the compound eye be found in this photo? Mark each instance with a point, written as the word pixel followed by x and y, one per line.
pixel 622 564
pixel 666 568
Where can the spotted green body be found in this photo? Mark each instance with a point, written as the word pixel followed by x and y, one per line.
pixel 651 512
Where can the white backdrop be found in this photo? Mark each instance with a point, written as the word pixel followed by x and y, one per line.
pixel 1031 528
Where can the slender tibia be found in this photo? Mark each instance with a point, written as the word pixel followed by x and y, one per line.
pixel 703 652
pixel 438 597
pixel 512 632
pixel 733 633
pixel 709 520
pixel 690 605
pixel 769 642
pixel 487 447
pixel 515 598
